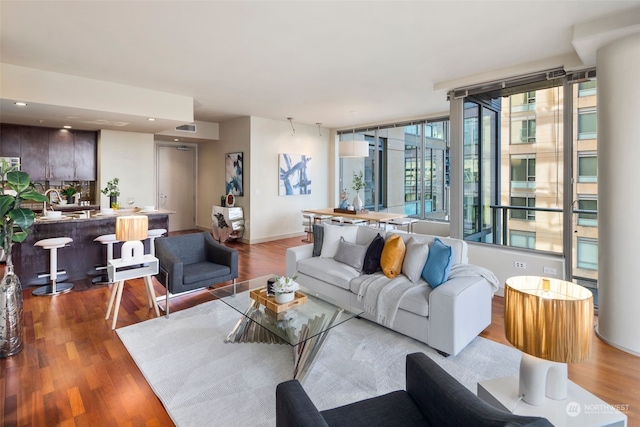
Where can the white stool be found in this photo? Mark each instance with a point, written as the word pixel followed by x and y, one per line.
pixel 52 246
pixel 152 235
pixel 109 240
pixel 402 222
pixel 308 220
pixel 322 218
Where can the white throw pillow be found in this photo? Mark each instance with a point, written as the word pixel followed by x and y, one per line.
pixel 331 239
pixel 414 259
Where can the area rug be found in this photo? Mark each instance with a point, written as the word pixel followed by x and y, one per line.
pixel 203 381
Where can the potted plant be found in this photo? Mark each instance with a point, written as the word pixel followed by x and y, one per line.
pixel 68 192
pixel 285 288
pixel 15 188
pixel 358 184
pixel 113 192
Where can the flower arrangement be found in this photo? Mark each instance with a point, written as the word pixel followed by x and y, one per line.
pixel 285 285
pixel 112 189
pixel 358 181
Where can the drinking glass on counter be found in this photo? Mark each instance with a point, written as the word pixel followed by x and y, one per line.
pixel 130 202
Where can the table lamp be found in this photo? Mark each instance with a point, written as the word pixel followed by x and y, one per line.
pixel 551 322
pixel 132 230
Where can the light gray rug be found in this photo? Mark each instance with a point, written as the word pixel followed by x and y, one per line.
pixel 203 381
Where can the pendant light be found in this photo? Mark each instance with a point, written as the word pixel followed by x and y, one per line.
pixel 353 147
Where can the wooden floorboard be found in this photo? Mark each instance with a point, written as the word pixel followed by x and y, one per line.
pixel 75 371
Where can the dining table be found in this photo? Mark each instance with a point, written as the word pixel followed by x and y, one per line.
pixel 369 216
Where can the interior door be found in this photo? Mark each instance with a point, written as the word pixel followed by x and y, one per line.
pixel 176 185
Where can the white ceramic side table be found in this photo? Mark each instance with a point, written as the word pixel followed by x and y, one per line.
pixel 120 271
pixel 579 409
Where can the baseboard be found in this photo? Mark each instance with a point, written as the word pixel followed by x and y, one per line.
pixel 272 238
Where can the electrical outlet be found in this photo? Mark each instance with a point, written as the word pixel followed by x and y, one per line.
pixel 550 270
pixel 520 264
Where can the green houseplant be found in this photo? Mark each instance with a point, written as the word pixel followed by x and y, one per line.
pixel 68 192
pixel 112 191
pixel 358 184
pixel 15 188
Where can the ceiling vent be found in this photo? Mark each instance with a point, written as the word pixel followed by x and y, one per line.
pixel 187 128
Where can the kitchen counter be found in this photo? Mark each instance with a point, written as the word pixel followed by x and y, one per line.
pixel 79 215
pixel 80 258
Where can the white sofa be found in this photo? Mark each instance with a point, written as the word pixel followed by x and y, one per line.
pixel 446 318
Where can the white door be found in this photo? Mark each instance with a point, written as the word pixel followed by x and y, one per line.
pixel 176 185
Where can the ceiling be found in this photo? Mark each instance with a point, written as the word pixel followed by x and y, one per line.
pixel 313 61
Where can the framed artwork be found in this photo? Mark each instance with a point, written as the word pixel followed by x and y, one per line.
pixel 233 163
pixel 294 174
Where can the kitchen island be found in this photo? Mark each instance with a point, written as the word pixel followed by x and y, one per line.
pixel 82 255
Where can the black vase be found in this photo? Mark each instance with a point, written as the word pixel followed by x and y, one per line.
pixel 113 200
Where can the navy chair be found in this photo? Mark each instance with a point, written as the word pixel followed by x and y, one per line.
pixel 193 261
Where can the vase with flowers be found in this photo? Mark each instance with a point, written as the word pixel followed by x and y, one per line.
pixel 285 288
pixel 113 192
pixel 358 184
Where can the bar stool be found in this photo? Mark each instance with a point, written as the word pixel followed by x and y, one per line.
pixel 402 222
pixel 152 235
pixel 109 240
pixel 52 245
pixel 322 218
pixel 307 223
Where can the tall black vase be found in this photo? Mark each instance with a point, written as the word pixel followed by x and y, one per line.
pixel 112 201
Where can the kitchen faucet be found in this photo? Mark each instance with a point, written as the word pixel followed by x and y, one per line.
pixel 44 204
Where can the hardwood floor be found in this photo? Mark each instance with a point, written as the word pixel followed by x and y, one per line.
pixel 74 370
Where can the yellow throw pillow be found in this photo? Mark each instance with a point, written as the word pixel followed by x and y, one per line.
pixel 392 256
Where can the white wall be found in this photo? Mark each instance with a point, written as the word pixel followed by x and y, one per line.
pixel 129 156
pixel 234 137
pixel 272 216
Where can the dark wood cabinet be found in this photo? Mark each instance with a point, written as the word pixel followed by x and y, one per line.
pixel 85 155
pixel 34 152
pixel 9 140
pixel 61 155
pixel 48 154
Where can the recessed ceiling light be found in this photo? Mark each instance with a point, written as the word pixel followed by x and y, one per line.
pixel 66 127
pixel 21 104
pixel 151 119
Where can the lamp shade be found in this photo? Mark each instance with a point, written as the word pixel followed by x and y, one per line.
pixel 353 148
pixel 549 318
pixel 132 227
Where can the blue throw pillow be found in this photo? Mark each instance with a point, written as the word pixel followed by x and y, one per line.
pixel 436 269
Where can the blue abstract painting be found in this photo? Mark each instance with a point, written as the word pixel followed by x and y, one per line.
pixel 294 174
pixel 233 174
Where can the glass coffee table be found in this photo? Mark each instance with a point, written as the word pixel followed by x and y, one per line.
pixel 304 325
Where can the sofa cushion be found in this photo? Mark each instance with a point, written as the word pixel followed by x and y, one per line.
pixel 203 270
pixel 331 239
pixel 436 269
pixel 414 259
pixel 459 246
pixel 392 256
pixel 351 254
pixel 371 262
pixel 414 301
pixel 328 270
pixel 318 237
pixel 366 234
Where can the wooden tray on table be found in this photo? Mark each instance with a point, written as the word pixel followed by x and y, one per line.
pixel 260 295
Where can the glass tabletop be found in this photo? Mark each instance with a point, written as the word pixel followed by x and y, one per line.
pixel 293 326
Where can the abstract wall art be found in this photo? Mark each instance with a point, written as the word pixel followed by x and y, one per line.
pixel 233 163
pixel 294 174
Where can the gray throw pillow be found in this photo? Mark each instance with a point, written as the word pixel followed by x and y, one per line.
pixel 414 259
pixel 318 235
pixel 350 254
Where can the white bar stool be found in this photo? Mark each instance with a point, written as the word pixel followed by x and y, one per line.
pixel 322 218
pixel 109 240
pixel 403 222
pixel 307 223
pixel 153 235
pixel 52 245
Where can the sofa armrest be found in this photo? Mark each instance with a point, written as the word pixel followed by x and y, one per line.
pixel 170 264
pixel 446 402
pixel 221 254
pixel 296 254
pixel 294 408
pixel 459 310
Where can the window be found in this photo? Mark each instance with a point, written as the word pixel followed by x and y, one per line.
pixel 587 167
pixel 523 171
pixel 523 131
pixel 411 179
pixel 525 101
pixel 587 123
pixel 588 254
pixel 588 203
pixel 521 213
pixel 587 88
pixel 522 239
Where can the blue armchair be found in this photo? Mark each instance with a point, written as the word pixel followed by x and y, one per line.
pixel 433 398
pixel 193 261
